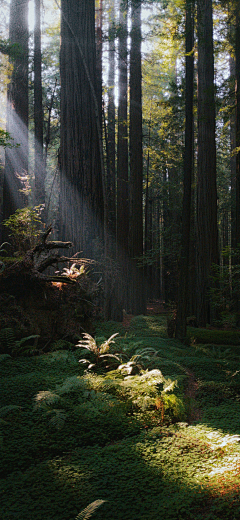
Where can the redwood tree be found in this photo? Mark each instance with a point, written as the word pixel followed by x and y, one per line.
pixel 237 91
pixel 188 174
pixel 16 163
pixel 122 143
pixel 137 301
pixel 38 109
pixel 81 193
pixel 207 232
pixel 111 133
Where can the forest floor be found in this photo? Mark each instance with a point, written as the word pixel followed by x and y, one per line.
pixel 69 438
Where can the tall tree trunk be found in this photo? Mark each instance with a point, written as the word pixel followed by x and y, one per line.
pixel 207 232
pixel 16 163
pixel 237 90
pixel 232 65
pixel 39 166
pixel 148 221
pixel 188 173
pixel 122 143
pixel 99 42
pixel 122 223
pixel 111 181
pixel 81 176
pixel 136 281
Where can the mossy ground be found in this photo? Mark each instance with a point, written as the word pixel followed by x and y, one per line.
pixel 51 470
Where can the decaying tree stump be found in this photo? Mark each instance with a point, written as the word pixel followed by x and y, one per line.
pixel 52 306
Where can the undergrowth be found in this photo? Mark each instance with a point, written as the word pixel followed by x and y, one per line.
pixel 159 444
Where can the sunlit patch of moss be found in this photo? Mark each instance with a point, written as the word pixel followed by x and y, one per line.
pixel 111 437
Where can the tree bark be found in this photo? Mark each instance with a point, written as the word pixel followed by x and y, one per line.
pixel 137 299
pixel 237 91
pixel 81 176
pixel 122 144
pixel 39 167
pixel 188 174
pixel 16 159
pixel 232 66
pixel 111 134
pixel 99 53
pixel 122 220
pixel 207 231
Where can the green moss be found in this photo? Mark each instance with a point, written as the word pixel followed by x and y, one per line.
pixel 215 337
pixel 102 436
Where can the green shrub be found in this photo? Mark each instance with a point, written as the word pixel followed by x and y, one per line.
pixel 24 227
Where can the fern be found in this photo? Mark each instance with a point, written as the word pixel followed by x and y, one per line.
pixel 3 357
pixel 45 398
pixel 90 344
pixel 138 361
pixel 105 346
pixel 7 339
pixel 89 510
pixel 98 354
pixel 9 342
pixel 58 419
pixel 71 384
pixel 73 272
pixel 59 355
pixel 8 409
pixel 21 348
pixel 2 265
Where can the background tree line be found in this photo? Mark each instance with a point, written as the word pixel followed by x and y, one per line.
pixel 136 130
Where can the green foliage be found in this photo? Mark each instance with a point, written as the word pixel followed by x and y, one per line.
pixel 99 354
pixel 68 437
pixel 89 510
pixel 7 339
pixel 24 226
pixel 145 325
pixel 214 337
pixel 138 361
pixel 3 251
pixel 5 139
pixel 9 344
pixel 73 272
pixel 5 410
pixel 14 50
pixel 62 344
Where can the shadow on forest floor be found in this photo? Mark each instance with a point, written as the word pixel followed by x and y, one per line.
pixel 182 471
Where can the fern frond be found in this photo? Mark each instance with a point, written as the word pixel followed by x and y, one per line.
pixel 7 338
pixel 28 338
pixel 89 510
pixel 7 409
pixel 114 356
pixel 170 387
pixel 148 351
pixel 4 244
pixel 71 384
pixel 58 419
pixel 3 357
pixel 88 343
pixel 45 398
pixel 84 361
pixel 105 346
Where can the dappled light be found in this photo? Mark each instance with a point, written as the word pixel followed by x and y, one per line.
pixel 119 260
pixel 102 434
